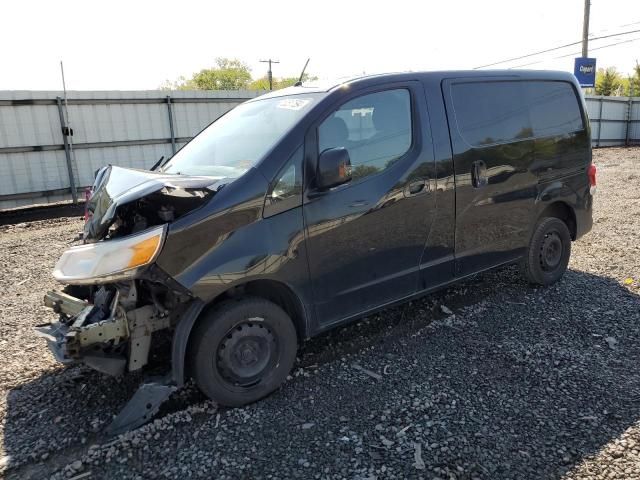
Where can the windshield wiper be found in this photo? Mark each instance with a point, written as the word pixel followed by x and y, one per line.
pixel 160 163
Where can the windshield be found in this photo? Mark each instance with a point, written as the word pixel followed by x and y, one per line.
pixel 238 140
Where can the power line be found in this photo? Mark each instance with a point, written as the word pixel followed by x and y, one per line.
pixel 608 29
pixel 533 54
pixel 577 53
pixel 630 24
pixel 600 48
pixel 528 55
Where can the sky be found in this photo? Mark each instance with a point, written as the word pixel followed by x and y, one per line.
pixel 138 44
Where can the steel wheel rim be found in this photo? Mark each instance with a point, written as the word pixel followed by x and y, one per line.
pixel 551 251
pixel 247 353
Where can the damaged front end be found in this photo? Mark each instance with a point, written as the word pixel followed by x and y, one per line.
pixel 106 331
pixel 115 297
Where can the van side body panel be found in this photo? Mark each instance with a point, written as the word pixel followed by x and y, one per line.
pixel 437 265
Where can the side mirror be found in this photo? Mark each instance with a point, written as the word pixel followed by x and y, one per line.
pixel 334 168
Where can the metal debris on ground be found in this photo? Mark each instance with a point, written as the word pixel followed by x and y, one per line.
pixel 372 374
pixel 418 463
pixel 82 475
pixel 612 342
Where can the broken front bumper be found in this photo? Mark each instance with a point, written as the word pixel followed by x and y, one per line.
pixel 105 336
pixel 76 338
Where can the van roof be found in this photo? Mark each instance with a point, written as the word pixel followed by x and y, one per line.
pixel 363 80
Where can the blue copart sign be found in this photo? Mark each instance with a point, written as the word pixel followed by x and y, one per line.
pixel 585 71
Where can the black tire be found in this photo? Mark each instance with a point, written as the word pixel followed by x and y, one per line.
pixel 242 351
pixel 548 253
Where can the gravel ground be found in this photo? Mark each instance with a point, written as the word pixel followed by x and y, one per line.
pixel 489 379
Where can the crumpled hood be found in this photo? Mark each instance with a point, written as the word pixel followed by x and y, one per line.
pixel 116 186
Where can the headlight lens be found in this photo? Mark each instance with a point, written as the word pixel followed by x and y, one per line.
pixel 111 260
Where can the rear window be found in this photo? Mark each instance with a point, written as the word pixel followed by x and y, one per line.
pixel 554 108
pixel 506 111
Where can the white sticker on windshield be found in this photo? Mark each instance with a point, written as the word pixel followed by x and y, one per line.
pixel 293 103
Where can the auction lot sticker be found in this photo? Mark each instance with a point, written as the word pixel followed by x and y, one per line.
pixel 294 103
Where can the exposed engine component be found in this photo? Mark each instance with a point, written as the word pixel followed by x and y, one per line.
pixel 166 213
pixel 126 201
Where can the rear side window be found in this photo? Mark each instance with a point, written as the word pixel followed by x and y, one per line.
pixel 554 108
pixel 491 112
pixel 507 111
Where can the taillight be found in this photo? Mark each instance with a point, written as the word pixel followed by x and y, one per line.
pixel 591 173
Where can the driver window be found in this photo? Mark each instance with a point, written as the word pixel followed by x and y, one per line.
pixel 375 129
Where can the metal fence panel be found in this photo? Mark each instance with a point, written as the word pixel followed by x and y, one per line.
pixel 134 156
pixel 196 116
pixel 614 120
pixel 126 128
pixel 118 122
pixel 634 125
pixel 29 125
pixel 23 175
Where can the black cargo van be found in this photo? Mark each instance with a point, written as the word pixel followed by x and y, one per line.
pixel 309 207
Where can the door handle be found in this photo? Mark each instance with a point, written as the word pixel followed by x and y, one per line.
pixel 479 174
pixel 415 188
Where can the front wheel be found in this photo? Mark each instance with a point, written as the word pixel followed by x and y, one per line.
pixel 242 351
pixel 548 254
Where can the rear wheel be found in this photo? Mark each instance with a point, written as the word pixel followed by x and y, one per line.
pixel 548 253
pixel 242 351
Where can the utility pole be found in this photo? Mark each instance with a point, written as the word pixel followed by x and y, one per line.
pixel 585 29
pixel 67 134
pixel 269 73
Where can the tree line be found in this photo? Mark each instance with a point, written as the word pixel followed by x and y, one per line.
pixel 229 74
pixel 610 82
pixel 233 74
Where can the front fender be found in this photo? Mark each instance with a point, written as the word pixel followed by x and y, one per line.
pixel 181 340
